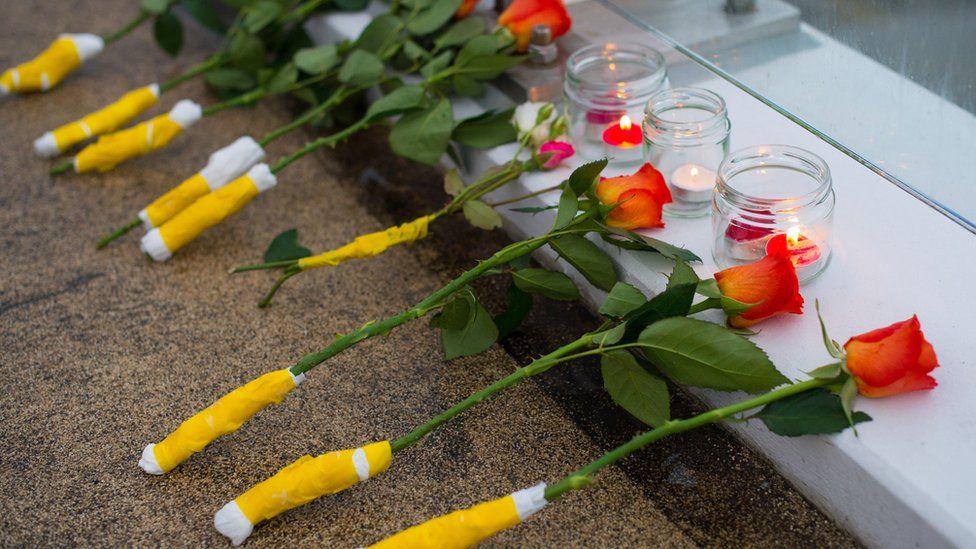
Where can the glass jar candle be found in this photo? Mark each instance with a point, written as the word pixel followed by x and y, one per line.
pixel 606 88
pixel 686 137
pixel 765 191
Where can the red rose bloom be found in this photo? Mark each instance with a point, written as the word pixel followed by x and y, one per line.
pixel 522 15
pixel 770 283
pixel 467 6
pixel 892 360
pixel 641 196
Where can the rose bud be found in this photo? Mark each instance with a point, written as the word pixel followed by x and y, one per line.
pixel 557 151
pixel 641 197
pixel 770 284
pixel 892 360
pixel 522 15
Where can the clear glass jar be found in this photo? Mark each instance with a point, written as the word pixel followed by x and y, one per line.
pixel 686 137
pixel 767 190
pixel 606 88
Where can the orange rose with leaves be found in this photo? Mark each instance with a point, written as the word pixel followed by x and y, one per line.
pixel 522 15
pixel 640 198
pixel 770 284
pixel 892 360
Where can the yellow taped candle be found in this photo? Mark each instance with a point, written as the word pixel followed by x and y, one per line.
pixel 224 166
pixel 469 526
pixel 50 67
pixel 161 243
pixel 369 245
pixel 218 419
pixel 104 120
pixel 112 149
pixel 305 480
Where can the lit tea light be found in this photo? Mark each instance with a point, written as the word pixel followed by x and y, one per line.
pixel 624 134
pixel 692 183
pixel 801 250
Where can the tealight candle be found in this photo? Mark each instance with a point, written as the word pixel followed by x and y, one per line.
pixel 623 134
pixel 686 135
pixel 773 198
pixel 692 183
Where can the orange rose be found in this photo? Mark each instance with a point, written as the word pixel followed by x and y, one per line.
pixel 467 6
pixel 641 197
pixel 892 360
pixel 770 283
pixel 522 15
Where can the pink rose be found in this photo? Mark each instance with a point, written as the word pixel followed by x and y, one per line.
pixel 557 151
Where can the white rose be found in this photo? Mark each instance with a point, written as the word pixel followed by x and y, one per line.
pixel 525 117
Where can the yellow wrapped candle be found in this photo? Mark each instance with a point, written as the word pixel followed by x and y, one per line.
pixel 469 526
pixel 303 481
pixel 218 419
pixel 369 245
pixel 104 120
pixel 224 166
pixel 156 133
pixel 49 68
pixel 161 243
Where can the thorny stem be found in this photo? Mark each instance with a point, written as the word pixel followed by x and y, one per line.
pixel 431 302
pixel 194 71
pixel 582 477
pixel 525 196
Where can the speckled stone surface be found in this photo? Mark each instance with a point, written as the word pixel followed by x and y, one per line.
pixel 103 352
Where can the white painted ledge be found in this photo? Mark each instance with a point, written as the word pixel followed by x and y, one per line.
pixel 909 479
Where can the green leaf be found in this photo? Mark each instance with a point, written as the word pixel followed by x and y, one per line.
pixel 682 274
pixel 586 176
pixel 548 283
pixel 832 348
pixel 351 5
pixel 702 354
pixel 203 12
pixel 535 209
pixel 518 305
pixel 486 130
pixel 587 258
pixel 155 7
pixel 674 301
pixel 168 32
pixel 609 337
pixel 379 33
pixel 622 299
pixel 247 52
pixel 477 47
pixel 414 51
pixel 567 208
pixel 361 68
pixel 489 67
pixel 285 246
pixel 812 412
pixel 317 60
pixel 453 185
pixel 434 17
pixel 423 136
pixel 231 79
pixel 461 32
pixel 453 315
pixel 467 86
pixel 847 395
pixel 642 394
pixel 481 215
pixel 399 101
pixel 437 64
pixel 478 333
pixel 283 79
pixel 732 307
pixel 709 288
pixel 829 371
pixel 261 14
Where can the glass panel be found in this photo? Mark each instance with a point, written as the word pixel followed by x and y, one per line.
pixel 891 82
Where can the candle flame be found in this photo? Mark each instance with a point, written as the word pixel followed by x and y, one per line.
pixel 625 122
pixel 694 171
pixel 793 235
